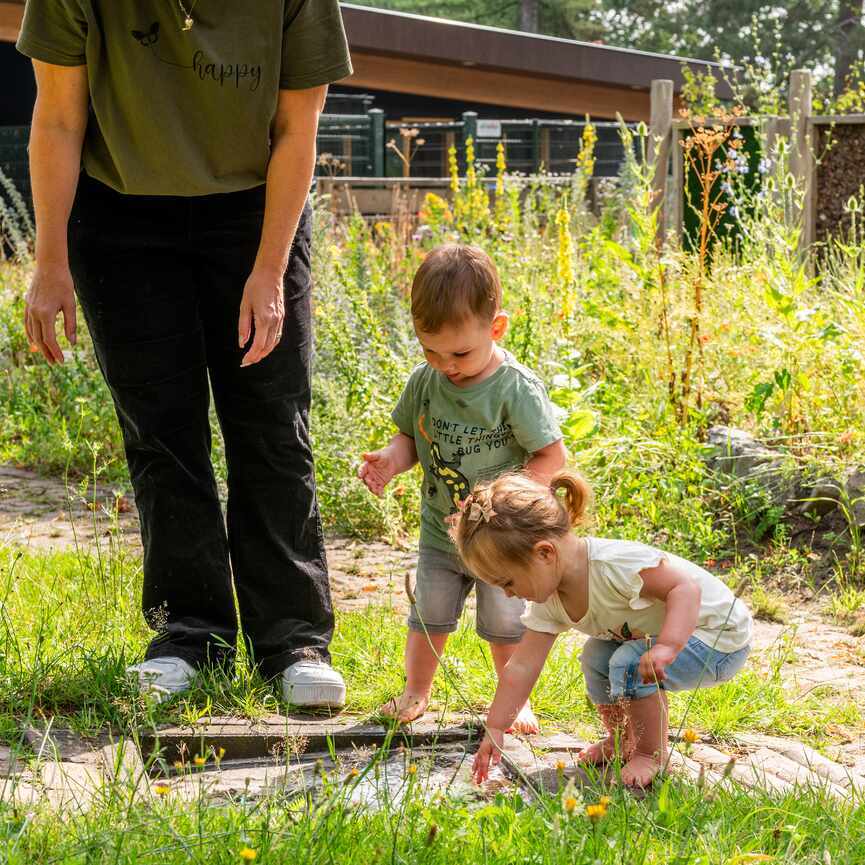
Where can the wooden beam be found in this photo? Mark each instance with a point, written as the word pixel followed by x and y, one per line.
pixel 470 84
pixel 801 150
pixel 10 21
pixel 660 140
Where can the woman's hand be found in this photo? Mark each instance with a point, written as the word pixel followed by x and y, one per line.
pixel 50 292
pixel 489 754
pixel 654 663
pixel 262 308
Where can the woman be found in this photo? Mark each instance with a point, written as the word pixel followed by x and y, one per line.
pixel 186 238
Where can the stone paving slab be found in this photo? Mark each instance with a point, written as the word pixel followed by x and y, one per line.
pixel 808 758
pixel 291 755
pixel 274 735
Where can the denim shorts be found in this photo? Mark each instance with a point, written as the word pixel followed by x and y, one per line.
pixel 443 584
pixel 611 669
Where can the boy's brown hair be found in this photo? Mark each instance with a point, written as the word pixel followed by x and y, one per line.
pixel 453 283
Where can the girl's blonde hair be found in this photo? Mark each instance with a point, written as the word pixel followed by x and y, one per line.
pixel 505 518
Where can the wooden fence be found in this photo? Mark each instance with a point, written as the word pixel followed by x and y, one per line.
pixel 805 131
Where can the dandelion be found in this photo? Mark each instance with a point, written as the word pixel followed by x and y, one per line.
pixel 199 760
pixel 247 853
pixel 162 789
pixel 179 764
pixel 690 736
pixel 560 765
pixel 412 769
pixel 596 812
pixel 605 801
pixel 569 803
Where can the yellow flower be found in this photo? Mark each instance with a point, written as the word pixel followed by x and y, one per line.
pixel 353 772
pixel 220 754
pixel 560 765
pixel 161 789
pixel 690 736
pixel 569 803
pixel 605 801
pixel 412 769
pixel 199 760
pixel 247 853
pixel 596 812
pixel 179 764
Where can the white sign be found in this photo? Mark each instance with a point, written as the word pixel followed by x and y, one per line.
pixel 489 128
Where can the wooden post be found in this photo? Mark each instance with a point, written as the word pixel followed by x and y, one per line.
pixel 660 137
pixel 802 152
pixel 376 141
pixel 545 148
pixel 675 220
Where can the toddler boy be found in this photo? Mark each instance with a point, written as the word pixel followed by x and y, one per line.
pixel 470 412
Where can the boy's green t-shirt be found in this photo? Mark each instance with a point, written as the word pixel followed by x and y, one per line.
pixel 464 435
pixel 186 112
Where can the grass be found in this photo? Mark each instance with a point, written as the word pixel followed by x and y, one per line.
pixel 678 823
pixel 51 666
pixel 606 319
pixel 642 350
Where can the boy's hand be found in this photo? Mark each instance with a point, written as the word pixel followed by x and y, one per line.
pixel 377 470
pixel 489 754
pixel 654 663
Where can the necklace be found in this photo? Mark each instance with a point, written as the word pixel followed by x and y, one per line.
pixel 188 20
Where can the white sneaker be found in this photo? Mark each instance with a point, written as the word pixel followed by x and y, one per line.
pixel 313 684
pixel 162 678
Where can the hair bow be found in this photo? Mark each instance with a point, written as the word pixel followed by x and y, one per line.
pixel 480 510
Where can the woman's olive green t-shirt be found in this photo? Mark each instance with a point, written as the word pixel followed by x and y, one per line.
pixel 186 112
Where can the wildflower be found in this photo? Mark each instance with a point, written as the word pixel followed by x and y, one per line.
pixel 605 801
pixel 179 764
pixel 162 789
pixel 219 755
pixel 560 765
pixel 412 769
pixel 353 772
pixel 765 166
pixel 199 760
pixel 247 853
pixel 596 812
pixel 569 803
pixel 690 736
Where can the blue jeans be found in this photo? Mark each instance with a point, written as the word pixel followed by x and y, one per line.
pixel 611 669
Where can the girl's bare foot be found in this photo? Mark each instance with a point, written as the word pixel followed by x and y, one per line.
pixel 525 723
pixel 607 750
pixel 407 708
pixel 640 770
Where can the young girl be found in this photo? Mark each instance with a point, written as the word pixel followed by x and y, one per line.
pixel 656 622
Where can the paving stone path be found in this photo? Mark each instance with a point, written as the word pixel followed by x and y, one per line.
pixel 68 772
pixel 226 758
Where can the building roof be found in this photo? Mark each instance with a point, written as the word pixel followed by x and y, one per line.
pixel 400 34
pixel 408 53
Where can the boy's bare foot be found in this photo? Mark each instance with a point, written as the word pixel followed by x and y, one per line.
pixel 606 750
pixel 525 723
pixel 640 770
pixel 407 708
